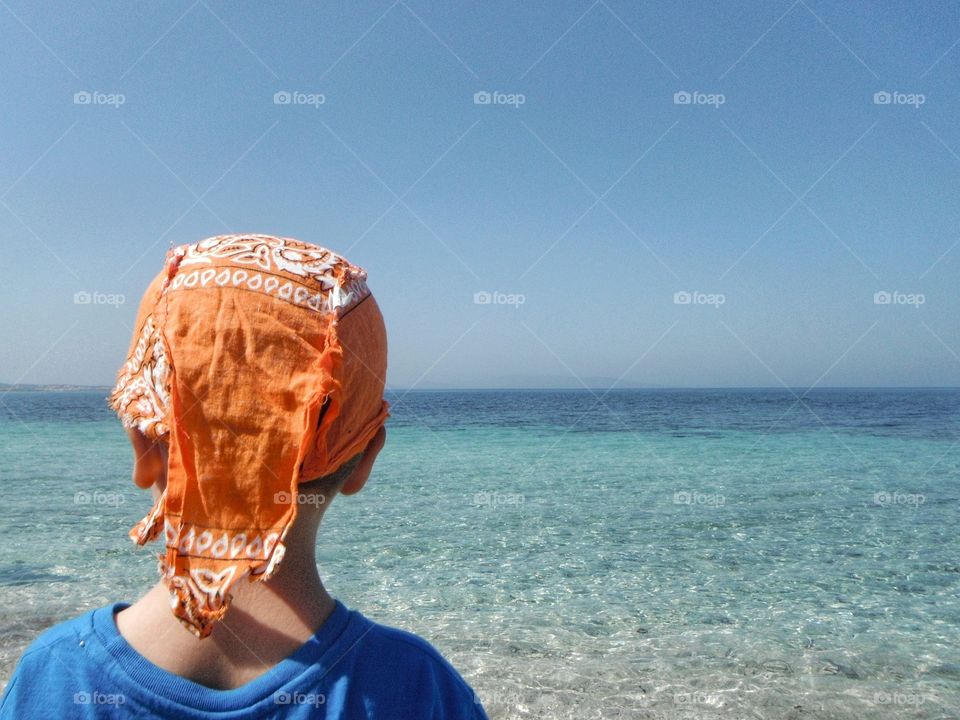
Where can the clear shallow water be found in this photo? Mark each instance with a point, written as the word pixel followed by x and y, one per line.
pixel 656 554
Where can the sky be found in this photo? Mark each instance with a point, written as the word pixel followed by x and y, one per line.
pixel 544 194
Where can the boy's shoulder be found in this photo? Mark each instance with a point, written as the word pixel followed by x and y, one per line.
pixel 404 642
pixel 53 673
pixel 358 666
pixel 376 642
pixel 407 658
pixel 64 637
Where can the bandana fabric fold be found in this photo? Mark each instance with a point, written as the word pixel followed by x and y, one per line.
pixel 260 361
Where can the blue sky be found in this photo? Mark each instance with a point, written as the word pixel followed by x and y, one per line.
pixel 587 197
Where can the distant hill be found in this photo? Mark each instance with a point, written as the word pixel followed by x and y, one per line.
pixel 7 387
pixel 535 382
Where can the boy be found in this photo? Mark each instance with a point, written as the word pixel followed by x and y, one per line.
pixel 252 396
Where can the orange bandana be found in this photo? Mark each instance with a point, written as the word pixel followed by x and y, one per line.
pixel 260 360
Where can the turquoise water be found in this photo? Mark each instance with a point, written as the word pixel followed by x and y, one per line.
pixel 651 554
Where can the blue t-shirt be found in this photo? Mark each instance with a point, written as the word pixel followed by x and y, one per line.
pixel 351 668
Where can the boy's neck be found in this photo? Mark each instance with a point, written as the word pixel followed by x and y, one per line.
pixel 266 623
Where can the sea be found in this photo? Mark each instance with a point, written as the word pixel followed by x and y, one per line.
pixel 729 553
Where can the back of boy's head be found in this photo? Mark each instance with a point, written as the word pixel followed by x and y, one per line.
pixel 260 361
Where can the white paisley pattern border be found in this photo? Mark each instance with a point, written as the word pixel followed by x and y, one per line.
pixel 341 284
pixel 142 392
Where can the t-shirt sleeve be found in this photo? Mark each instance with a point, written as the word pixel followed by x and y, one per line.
pixel 422 683
pixel 53 680
pixel 28 688
pixel 42 687
pixel 11 700
pixel 455 700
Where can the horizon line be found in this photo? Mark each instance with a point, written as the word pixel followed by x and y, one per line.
pixel 67 387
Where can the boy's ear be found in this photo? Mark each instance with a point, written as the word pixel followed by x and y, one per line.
pixel 149 460
pixel 358 478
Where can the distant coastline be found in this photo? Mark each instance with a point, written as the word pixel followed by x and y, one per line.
pixel 27 387
pixel 6 387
